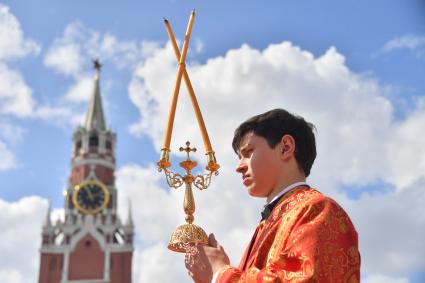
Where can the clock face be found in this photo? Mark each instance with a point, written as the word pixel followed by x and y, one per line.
pixel 90 196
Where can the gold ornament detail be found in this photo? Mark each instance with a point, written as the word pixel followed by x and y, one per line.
pixel 188 233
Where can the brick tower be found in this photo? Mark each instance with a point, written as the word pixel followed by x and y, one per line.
pixel 91 245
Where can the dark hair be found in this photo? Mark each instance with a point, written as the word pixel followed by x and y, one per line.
pixel 276 123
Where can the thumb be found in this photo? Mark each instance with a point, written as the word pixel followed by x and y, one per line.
pixel 212 241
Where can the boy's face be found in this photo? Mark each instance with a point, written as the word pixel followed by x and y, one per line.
pixel 259 164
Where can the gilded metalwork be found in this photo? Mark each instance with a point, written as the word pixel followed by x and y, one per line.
pixel 188 233
pixel 212 164
pixel 164 160
pixel 174 180
pixel 203 181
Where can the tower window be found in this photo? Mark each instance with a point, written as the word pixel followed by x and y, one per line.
pixel 94 140
pixel 108 145
pixel 78 146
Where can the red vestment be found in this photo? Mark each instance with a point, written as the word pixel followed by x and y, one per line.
pixel 308 237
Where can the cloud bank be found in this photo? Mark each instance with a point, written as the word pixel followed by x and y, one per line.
pixel 361 142
pixel 16 99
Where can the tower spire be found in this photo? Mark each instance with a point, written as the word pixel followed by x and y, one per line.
pixel 94 117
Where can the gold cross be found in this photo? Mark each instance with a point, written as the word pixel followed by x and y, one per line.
pixel 188 149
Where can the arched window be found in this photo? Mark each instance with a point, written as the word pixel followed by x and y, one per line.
pixel 94 140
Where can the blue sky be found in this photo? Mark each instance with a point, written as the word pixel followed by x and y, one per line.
pixel 382 44
pixel 358 29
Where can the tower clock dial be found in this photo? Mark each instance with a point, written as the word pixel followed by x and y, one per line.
pixel 90 196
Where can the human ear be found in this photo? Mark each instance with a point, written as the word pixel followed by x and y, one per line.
pixel 287 146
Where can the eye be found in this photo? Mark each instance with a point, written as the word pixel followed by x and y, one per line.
pixel 247 152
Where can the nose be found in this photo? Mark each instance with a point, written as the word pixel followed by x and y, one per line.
pixel 241 167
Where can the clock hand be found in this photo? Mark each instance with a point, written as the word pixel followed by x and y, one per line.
pixel 97 193
pixel 90 194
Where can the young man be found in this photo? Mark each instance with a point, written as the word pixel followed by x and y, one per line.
pixel 303 236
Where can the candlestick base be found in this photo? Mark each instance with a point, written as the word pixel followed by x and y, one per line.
pixel 186 235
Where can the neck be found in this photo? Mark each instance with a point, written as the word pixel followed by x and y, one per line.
pixel 284 183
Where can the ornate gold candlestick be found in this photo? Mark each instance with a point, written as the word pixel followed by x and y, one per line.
pixel 188 233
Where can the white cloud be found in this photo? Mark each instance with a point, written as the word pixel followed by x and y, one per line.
pixel 15 95
pixel 11 133
pixel 157 264
pixel 359 143
pixel 199 45
pixel 141 186
pixel 405 149
pixel 7 158
pixel 322 89
pixel 415 43
pixel 11 276
pixel 379 278
pixel 12 41
pixel 65 58
pixel 60 115
pixel 20 234
pixel 407 41
pixel 390 229
pixel 71 52
pixel 81 91
pixel 70 55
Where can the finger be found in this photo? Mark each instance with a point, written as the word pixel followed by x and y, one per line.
pixel 212 241
pixel 191 249
pixel 189 261
pixel 187 265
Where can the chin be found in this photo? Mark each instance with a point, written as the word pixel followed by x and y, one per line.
pixel 255 193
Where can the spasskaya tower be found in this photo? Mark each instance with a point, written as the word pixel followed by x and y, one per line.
pixel 91 245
